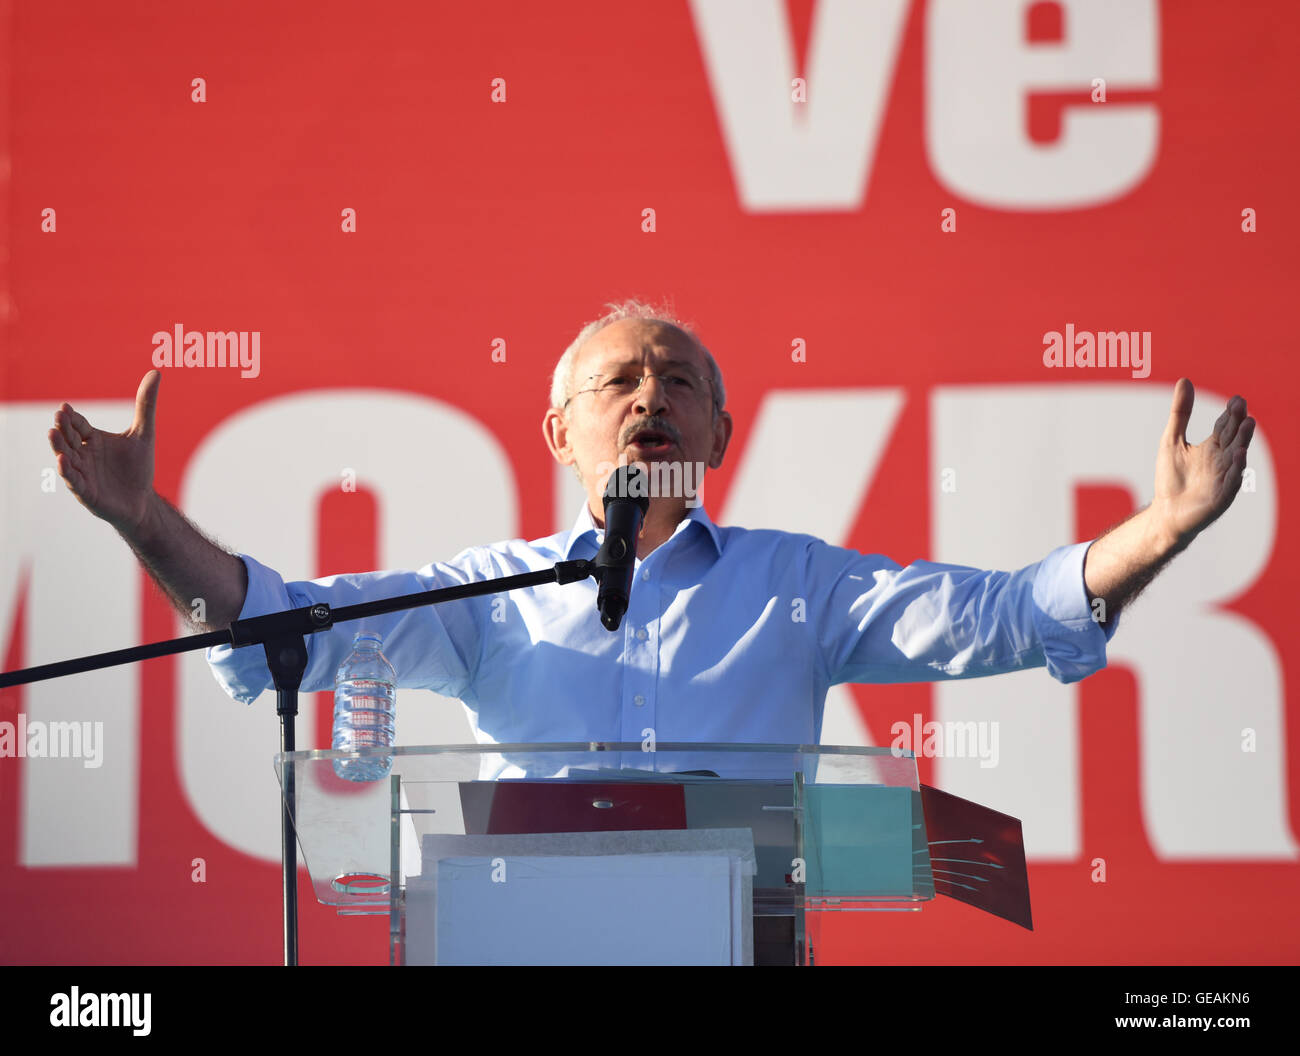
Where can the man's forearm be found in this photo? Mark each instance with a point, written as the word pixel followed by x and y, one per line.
pixel 1125 558
pixel 189 568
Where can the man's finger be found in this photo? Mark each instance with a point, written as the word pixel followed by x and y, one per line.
pixel 1236 472
pixel 1242 437
pixel 1220 425
pixel 1236 411
pixel 146 402
pixel 61 446
pixel 78 429
pixel 1180 412
pixel 63 422
pixel 71 475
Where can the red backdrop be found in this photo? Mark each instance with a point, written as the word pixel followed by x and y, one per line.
pixel 192 165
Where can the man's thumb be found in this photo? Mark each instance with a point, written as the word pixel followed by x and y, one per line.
pixel 146 400
pixel 1180 412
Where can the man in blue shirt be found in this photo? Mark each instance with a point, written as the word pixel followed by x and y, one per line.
pixel 730 635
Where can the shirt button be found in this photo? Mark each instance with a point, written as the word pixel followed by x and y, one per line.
pixel 639 701
pixel 641 634
pixel 645 577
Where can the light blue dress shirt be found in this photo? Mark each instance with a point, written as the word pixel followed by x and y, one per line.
pixel 731 635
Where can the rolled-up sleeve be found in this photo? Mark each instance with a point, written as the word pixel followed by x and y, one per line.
pixel 432 647
pixel 1074 635
pixel 880 622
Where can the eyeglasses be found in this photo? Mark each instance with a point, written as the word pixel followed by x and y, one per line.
pixel 680 384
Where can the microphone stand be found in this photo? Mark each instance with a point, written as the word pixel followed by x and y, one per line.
pixel 280 634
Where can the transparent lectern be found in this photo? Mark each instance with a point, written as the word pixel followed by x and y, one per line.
pixel 626 853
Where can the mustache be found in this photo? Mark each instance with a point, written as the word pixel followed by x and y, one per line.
pixel 657 425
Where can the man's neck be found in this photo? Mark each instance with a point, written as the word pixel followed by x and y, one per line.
pixel 660 523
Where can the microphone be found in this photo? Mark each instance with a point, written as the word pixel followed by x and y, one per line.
pixel 626 504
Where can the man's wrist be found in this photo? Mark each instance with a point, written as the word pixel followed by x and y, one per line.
pixel 1165 540
pixel 149 529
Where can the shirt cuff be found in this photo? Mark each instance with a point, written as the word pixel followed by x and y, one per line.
pixel 243 673
pixel 1074 640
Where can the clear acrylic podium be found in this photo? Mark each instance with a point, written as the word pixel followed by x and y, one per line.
pixel 834 829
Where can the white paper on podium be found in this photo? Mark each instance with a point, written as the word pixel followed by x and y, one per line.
pixel 682 896
pixel 660 909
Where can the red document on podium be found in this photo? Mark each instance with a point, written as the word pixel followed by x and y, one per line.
pixel 977 856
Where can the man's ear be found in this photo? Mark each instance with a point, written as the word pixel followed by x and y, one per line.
pixel 556 432
pixel 722 426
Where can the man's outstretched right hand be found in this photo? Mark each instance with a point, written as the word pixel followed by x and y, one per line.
pixel 111 474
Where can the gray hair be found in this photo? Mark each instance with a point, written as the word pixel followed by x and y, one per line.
pixel 562 378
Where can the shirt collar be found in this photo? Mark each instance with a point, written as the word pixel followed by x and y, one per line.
pixel 585 526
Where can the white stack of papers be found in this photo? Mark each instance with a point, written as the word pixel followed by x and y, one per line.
pixel 682 896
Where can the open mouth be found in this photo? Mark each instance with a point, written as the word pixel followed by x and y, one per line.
pixel 650 441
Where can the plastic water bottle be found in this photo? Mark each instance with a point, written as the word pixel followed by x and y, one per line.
pixel 365 707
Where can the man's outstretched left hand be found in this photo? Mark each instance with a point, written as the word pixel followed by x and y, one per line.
pixel 1195 483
